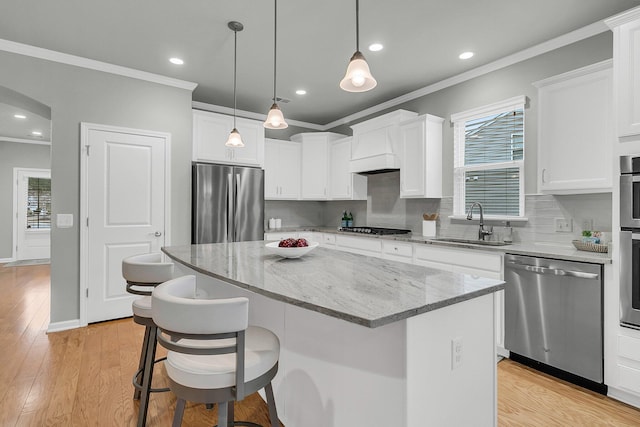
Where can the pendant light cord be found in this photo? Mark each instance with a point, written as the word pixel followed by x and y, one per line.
pixel 275 43
pixel 357 26
pixel 235 60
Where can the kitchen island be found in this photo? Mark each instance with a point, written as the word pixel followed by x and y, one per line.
pixel 364 341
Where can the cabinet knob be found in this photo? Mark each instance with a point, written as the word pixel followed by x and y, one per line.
pixel 544 171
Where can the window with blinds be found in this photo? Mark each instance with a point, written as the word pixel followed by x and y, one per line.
pixel 489 159
pixel 39 203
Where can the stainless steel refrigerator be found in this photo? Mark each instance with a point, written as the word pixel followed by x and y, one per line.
pixel 227 203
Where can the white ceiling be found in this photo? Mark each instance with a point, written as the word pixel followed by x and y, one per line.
pixel 422 40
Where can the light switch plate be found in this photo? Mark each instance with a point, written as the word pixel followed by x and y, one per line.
pixel 64 220
pixel 563 225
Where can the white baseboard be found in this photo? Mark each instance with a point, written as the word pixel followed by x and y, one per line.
pixel 6 260
pixel 63 326
pixel 624 396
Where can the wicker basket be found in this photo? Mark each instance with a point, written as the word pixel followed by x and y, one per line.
pixel 590 247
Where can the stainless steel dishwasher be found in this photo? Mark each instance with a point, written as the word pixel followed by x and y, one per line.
pixel 554 317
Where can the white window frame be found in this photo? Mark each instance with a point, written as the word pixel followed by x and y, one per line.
pixel 459 169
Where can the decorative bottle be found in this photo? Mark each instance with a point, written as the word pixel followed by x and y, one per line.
pixel 349 219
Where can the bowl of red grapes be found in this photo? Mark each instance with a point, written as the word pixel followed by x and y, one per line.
pixel 291 248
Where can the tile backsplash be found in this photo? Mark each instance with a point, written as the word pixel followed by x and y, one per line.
pixel 385 208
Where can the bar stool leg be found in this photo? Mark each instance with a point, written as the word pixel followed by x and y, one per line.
pixel 143 358
pixel 147 375
pixel 271 402
pixel 177 417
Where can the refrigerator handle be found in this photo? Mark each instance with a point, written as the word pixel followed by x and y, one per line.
pixel 235 213
pixel 230 208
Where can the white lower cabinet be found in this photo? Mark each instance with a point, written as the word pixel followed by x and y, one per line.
pixel 279 235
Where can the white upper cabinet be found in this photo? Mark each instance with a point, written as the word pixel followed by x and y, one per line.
pixel 421 157
pixel 281 170
pixel 626 56
pixel 344 185
pixel 210 132
pixel 315 163
pixel 575 131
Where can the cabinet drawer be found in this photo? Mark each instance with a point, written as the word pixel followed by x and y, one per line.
pixel 398 249
pixel 279 235
pixel 362 244
pixel 629 378
pixel 329 239
pixel 471 259
pixel 629 348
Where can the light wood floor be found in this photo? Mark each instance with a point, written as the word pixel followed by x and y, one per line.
pixel 82 377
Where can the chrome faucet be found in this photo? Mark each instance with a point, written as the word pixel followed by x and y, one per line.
pixel 481 231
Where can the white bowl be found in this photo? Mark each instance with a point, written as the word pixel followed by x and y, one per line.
pixel 290 252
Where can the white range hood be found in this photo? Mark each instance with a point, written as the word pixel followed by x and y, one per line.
pixel 375 143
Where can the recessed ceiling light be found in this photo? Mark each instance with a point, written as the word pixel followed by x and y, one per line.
pixel 176 61
pixel 19 116
pixel 465 55
pixel 36 133
pixel 375 47
pixel 301 92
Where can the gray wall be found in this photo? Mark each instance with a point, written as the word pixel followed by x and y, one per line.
pixel 12 155
pixel 78 95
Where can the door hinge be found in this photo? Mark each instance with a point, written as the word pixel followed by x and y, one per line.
pixel 87 147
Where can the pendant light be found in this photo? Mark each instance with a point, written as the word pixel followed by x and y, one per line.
pixel 358 77
pixel 275 118
pixel 234 137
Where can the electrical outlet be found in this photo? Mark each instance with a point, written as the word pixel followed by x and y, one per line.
pixel 563 225
pixel 587 224
pixel 456 353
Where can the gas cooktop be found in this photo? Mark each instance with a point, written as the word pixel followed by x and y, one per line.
pixel 379 231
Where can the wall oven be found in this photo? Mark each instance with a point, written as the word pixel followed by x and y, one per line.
pixel 630 241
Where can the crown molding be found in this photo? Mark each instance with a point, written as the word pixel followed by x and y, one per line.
pixel 623 18
pixel 78 61
pixel 593 68
pixel 250 115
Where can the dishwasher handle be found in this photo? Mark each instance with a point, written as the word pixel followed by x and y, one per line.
pixel 553 271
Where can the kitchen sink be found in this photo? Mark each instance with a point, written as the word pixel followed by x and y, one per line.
pixel 471 241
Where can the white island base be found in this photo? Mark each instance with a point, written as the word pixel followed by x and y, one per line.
pixel 334 373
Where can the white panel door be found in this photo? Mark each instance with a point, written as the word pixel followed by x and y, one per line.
pixel 126 205
pixel 33 237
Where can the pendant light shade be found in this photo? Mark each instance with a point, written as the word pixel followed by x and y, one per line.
pixel 234 139
pixel 358 78
pixel 275 118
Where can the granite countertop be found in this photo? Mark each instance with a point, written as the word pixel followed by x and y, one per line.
pixel 537 249
pixel 364 290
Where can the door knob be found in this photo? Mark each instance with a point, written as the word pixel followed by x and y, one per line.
pixel 157 234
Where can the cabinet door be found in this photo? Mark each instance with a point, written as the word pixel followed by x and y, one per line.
pixel 627 57
pixel 314 169
pixel 412 167
pixel 575 130
pixel 281 170
pixel 340 177
pixel 421 157
pixel 210 132
pixel 252 133
pixel 289 170
pixel 271 169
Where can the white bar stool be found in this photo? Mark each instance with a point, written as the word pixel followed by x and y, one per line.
pixel 142 273
pixel 214 355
